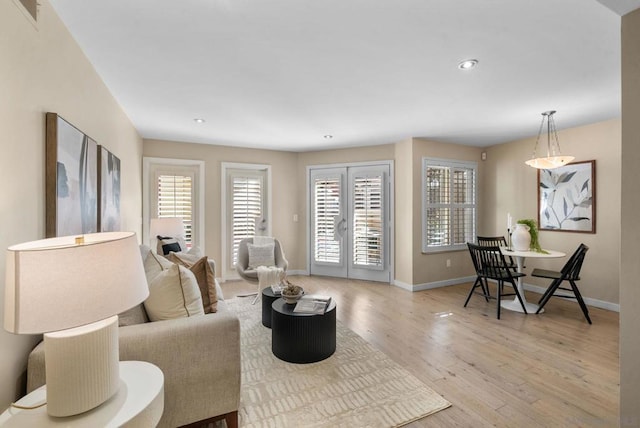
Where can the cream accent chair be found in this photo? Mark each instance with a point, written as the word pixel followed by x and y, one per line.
pixel 242 265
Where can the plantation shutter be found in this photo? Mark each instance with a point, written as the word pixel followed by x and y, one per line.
pixel 449 208
pixel 463 206
pixel 247 206
pixel 175 199
pixel 367 221
pixel 326 211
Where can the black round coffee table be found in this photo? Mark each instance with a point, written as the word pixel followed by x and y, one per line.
pixel 302 338
pixel 267 299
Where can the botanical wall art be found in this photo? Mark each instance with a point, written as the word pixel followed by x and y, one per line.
pixel 71 179
pixel 108 191
pixel 567 198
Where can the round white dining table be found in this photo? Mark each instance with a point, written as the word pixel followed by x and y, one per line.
pixel 520 256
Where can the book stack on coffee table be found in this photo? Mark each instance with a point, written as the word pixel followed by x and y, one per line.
pixel 312 304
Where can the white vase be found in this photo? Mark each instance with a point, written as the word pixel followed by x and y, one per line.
pixel 521 238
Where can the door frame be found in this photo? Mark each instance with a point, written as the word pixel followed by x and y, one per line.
pixel 224 166
pixel 147 164
pixel 391 190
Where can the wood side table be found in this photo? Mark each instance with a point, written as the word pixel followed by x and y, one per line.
pixel 302 338
pixel 138 403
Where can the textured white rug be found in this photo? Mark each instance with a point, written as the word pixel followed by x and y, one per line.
pixel 358 386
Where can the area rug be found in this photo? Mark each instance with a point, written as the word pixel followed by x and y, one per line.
pixel 358 386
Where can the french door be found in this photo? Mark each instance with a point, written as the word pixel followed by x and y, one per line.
pixel 350 222
pixel 246 208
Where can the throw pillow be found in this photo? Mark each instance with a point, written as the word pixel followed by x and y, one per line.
pixel 205 277
pixel 261 255
pixel 154 265
pixel 186 259
pixel 166 245
pixel 174 293
pixel 195 251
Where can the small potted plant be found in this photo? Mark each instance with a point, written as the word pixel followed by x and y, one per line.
pixel 533 231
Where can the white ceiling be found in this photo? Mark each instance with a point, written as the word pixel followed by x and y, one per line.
pixel 282 74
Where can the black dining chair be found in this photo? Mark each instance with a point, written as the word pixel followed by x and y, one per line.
pixel 490 264
pixel 497 241
pixel 571 273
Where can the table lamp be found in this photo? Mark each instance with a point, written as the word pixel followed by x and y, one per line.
pixel 71 289
pixel 166 226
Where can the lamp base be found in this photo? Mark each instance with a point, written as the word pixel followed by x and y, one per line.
pixel 82 367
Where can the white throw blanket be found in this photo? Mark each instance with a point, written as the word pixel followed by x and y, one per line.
pixel 268 276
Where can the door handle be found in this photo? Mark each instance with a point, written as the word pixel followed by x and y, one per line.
pixel 339 228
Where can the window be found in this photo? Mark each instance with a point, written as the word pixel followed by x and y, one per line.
pixel 367 221
pixel 174 188
pixel 326 209
pixel 175 199
pixel 245 209
pixel 448 204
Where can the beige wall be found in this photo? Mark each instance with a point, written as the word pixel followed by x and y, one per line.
pixel 404 217
pixel 505 184
pixel 511 186
pixel 630 239
pixel 285 189
pixel 43 70
pixel 289 186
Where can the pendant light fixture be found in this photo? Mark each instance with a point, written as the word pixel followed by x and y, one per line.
pixel 554 158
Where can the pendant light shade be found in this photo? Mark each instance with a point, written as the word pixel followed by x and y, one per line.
pixel 554 158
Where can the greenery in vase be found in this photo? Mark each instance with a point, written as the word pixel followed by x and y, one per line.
pixel 533 231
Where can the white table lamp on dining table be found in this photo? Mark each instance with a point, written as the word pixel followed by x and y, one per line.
pixel 71 289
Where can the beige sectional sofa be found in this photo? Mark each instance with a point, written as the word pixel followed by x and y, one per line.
pixel 200 359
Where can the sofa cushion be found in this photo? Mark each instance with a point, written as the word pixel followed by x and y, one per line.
pixel 204 275
pixel 261 255
pixel 135 315
pixel 174 293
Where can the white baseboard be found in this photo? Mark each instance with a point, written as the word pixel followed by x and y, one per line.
pixel 615 307
pixel 430 285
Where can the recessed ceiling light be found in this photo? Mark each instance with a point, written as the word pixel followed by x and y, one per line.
pixel 198 120
pixel 328 137
pixel 468 64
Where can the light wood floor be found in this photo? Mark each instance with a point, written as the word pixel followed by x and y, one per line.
pixel 547 370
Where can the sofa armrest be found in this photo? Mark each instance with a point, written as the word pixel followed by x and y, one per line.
pixel 199 357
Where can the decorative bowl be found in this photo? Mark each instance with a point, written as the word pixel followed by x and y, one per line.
pixel 291 299
pixel 291 293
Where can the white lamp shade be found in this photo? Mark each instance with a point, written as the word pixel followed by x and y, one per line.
pixel 54 284
pixel 550 162
pixel 166 226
